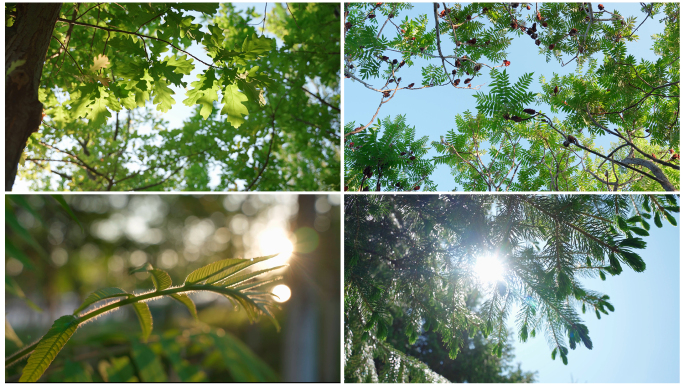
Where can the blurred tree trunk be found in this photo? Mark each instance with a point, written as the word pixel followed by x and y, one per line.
pixel 300 358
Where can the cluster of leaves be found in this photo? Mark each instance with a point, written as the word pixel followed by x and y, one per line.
pixel 410 260
pixel 508 144
pixel 226 277
pixel 125 359
pixel 254 141
pixel 393 162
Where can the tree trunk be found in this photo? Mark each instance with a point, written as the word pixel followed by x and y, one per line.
pixel 28 39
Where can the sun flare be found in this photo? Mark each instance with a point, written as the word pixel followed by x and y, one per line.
pixel 274 240
pixel 488 269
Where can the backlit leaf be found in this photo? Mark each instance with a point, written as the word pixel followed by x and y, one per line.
pixel 48 347
pixel 145 318
pixel 188 302
pixel 233 105
pixel 108 292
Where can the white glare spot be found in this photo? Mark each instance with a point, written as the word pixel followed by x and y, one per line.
pixel 488 269
pixel 283 293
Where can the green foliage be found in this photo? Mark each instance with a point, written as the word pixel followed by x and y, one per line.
pixel 391 162
pixel 50 345
pixel 521 140
pixel 266 115
pixel 409 268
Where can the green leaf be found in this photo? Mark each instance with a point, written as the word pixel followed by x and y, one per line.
pixel 584 308
pixel 255 46
pixel 187 301
pixel 108 292
pixel 145 318
pixel 639 231
pixel 48 347
pixel 163 96
pixel 553 353
pixel 670 218
pixel 657 220
pixel 602 275
pixel 233 105
pixel 98 112
pixel 222 269
pixel 598 314
pixel 160 279
pixel 148 363
pixel 205 93
pixel 565 359
pixel 239 278
pixel 242 363
pixel 65 206
pixel 252 93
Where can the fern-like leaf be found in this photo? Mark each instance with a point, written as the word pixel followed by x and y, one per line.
pixel 145 318
pixel 99 295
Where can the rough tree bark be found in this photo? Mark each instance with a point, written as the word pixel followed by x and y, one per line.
pixel 28 39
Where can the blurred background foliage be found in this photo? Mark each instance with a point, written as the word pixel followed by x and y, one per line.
pixel 59 250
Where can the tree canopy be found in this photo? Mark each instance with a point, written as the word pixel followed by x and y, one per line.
pixel 609 122
pixel 411 274
pixel 265 97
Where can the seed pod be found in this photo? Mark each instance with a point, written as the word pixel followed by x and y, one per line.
pixel 458 63
pixel 398 80
pixel 453 72
pixel 573 32
pixel 477 67
pixel 402 153
pixel 412 157
pixel 528 7
pixel 507 63
pixel 416 188
pixel 402 64
pixel 555 89
pixel 422 49
pixel 671 151
pixel 347 25
pixel 367 171
pixel 371 16
pixel 386 94
pixel 572 139
pixel 395 61
pixel 391 81
pixel 351 66
pixel 514 5
pixel 552 46
pixel 378 4
pixel 351 144
pixel 600 6
pixel 539 17
pixel 468 18
pixel 537 42
pixel 384 58
pixel 467 81
pixel 516 118
pixel 346 188
pixel 457 81
pixel 391 15
pixel 413 38
pixel 411 85
pixel 545 24
pixel 366 188
pixel 534 27
pixel 485 9
pixel 506 116
pixel 514 25
pixel 529 111
pixel 523 28
pixel 487 42
pixel 566 143
pixel 467 73
pixel 403 31
pixel 398 184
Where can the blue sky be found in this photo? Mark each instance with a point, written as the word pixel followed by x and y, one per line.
pixel 432 110
pixel 639 342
